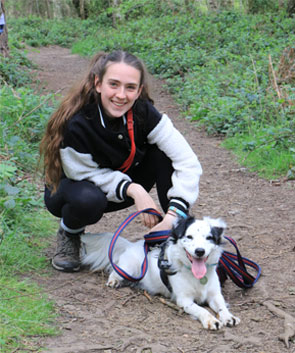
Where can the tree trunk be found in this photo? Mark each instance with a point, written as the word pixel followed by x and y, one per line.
pixel 212 4
pixel 4 50
pixel 291 7
pixel 226 4
pixel 116 15
pixel 82 9
pixel 47 3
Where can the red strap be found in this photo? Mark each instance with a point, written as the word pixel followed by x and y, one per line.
pixel 127 164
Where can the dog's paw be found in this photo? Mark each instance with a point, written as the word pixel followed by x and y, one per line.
pixel 228 319
pixel 114 281
pixel 211 323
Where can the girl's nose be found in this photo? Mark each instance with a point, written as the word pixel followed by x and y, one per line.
pixel 121 93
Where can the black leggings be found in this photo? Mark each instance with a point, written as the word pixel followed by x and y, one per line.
pixel 81 203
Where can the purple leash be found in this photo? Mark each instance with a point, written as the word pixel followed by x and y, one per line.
pixel 151 239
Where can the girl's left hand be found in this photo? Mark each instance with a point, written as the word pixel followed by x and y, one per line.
pixel 143 200
pixel 165 224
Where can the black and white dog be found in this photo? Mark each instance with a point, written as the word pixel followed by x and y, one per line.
pixel 183 269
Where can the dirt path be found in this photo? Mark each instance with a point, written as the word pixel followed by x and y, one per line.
pixel 260 216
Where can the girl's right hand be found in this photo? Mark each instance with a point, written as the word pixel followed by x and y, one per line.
pixel 142 200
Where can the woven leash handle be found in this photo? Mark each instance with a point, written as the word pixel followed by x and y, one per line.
pixel 123 225
pixel 235 266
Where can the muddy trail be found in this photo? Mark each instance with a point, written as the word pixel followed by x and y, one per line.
pixel 260 216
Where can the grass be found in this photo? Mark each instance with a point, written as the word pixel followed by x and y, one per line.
pixel 264 159
pixel 25 310
pixel 26 313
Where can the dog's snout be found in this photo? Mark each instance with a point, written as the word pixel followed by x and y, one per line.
pixel 200 252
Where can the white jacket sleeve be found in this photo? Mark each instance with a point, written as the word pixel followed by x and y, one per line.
pixel 81 166
pixel 187 168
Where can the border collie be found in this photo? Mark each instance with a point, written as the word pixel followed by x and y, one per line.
pixel 182 269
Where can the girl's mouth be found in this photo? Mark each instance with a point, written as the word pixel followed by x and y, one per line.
pixel 119 104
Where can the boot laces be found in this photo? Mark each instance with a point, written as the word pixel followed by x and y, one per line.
pixel 68 246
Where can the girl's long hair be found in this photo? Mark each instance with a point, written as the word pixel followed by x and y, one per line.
pixel 81 94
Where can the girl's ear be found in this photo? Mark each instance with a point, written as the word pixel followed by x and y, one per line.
pixel 97 84
pixel 139 91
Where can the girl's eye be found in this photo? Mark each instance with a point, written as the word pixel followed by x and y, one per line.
pixel 131 88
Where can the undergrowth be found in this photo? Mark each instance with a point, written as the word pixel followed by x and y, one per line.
pixel 217 67
pixel 25 227
pixel 37 32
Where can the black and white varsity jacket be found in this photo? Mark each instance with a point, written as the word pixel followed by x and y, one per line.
pixel 94 147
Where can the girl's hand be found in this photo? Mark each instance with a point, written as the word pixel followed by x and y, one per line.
pixel 165 224
pixel 143 200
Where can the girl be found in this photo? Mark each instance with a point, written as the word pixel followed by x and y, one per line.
pixel 104 149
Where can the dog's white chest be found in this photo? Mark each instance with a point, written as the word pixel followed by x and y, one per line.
pixel 185 284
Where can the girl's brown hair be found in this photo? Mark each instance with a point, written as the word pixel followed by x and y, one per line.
pixel 81 94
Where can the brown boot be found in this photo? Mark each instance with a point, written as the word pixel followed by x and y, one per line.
pixel 67 255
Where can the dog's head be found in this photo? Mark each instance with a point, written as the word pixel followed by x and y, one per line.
pixel 201 242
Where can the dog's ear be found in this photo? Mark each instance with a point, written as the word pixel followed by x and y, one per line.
pixel 217 227
pixel 217 234
pixel 180 227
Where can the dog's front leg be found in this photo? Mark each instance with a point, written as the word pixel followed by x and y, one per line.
pixel 208 321
pixel 217 304
pixel 114 280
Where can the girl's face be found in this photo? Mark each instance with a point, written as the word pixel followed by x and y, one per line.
pixel 119 89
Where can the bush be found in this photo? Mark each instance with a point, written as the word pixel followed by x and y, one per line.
pixel 14 69
pixel 24 224
pixel 217 66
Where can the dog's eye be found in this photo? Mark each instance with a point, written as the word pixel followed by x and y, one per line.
pixel 209 237
pixel 189 237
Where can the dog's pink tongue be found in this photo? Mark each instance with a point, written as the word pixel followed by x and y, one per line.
pixel 199 268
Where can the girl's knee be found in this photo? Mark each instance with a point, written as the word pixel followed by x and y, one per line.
pixel 92 200
pixel 87 202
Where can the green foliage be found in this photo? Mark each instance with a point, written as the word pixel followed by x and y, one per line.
pixel 23 311
pixel 262 6
pixel 24 224
pixel 134 9
pixel 14 69
pixel 23 119
pixel 25 228
pixel 217 66
pixel 24 116
pixel 36 32
pixel 269 151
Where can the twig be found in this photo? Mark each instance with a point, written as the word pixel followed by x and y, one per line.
pixel 266 143
pixel 289 323
pixel 129 298
pixel 276 87
pixel 13 91
pixel 241 226
pixel 171 305
pixel 147 296
pixel 38 106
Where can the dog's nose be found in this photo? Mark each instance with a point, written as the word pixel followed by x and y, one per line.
pixel 200 252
